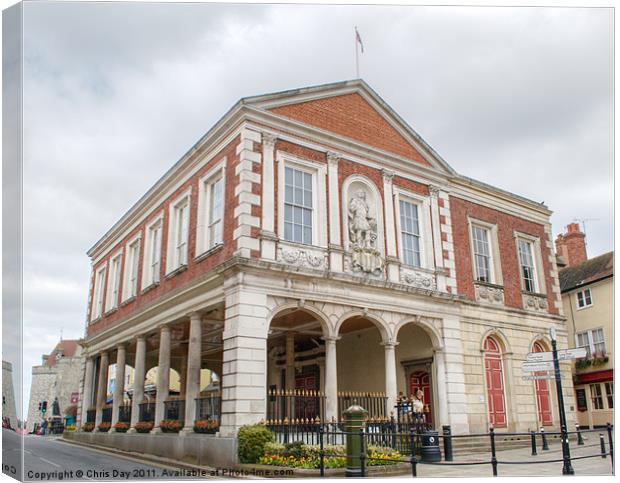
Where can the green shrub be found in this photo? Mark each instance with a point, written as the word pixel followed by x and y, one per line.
pixel 252 441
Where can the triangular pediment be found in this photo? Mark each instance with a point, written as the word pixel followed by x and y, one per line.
pixel 353 111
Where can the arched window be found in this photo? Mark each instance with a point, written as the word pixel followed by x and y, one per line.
pixel 543 400
pixel 495 383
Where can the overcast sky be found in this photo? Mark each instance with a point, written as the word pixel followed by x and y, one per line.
pixel 114 94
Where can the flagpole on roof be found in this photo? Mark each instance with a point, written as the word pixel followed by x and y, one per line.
pixel 358 40
pixel 357 60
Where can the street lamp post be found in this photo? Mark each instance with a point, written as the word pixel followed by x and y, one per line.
pixel 567 469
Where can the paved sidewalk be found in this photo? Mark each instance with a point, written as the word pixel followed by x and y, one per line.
pixel 582 467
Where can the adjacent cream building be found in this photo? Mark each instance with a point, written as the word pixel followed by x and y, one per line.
pixel 588 298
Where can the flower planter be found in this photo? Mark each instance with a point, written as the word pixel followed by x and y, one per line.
pixel 171 426
pixel 206 426
pixel 144 426
pixel 104 427
pixel 170 430
pixel 121 427
pixel 88 427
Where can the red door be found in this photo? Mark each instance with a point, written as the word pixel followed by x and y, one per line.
pixel 495 383
pixel 422 380
pixel 543 400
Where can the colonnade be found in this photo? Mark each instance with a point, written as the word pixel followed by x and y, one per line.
pixel 191 388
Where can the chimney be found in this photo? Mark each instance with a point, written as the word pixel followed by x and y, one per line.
pixel 571 246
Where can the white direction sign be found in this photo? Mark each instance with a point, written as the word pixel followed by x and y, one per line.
pixel 537 366
pixel 537 377
pixel 563 354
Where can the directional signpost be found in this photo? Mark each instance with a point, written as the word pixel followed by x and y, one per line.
pixel 547 365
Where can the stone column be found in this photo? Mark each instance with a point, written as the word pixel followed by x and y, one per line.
pixel 290 361
pixel 268 236
pixel 391 390
pixel 102 386
pixel 163 375
pixel 335 239
pixel 392 260
pixel 183 371
pixel 138 381
pixel 331 378
pixel 442 389
pixel 87 390
pixel 244 370
pixel 119 385
pixel 192 389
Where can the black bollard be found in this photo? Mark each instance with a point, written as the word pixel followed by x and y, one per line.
pixel 579 437
pixel 493 455
pixel 545 445
pixel 321 451
pixel 603 450
pixel 447 443
pixel 414 461
pixel 611 445
pixel 534 452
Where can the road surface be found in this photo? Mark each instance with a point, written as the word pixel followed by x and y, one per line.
pixel 49 458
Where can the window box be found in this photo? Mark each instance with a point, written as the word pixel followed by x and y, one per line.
pixel 171 425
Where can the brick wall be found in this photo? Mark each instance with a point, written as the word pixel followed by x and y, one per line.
pixel 506 225
pixel 351 116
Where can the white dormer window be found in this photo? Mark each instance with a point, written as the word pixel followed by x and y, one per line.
pixel 178 233
pixel 152 252
pixel 97 309
pixel 210 226
pixel 132 261
pixel 114 282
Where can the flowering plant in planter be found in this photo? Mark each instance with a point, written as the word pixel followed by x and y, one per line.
pixel 88 427
pixel 171 425
pixel 121 427
pixel 104 427
pixel 206 426
pixel 144 426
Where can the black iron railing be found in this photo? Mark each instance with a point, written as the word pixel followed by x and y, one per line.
pixel 209 407
pixel 374 402
pixel 295 405
pixel 91 415
pixel 174 409
pixel 147 411
pixel 124 413
pixel 106 415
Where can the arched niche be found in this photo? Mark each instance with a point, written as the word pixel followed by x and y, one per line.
pixel 363 230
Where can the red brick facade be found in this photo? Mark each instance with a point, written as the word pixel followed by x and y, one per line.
pixel 351 116
pixel 506 224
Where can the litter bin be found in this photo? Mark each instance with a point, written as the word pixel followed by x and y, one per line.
pixel 430 447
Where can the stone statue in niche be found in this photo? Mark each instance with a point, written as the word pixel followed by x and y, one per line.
pixel 363 236
pixel 362 226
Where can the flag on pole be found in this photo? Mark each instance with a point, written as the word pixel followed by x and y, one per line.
pixel 359 39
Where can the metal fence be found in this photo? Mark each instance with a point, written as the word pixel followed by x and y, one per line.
pixel 415 457
pixel 91 414
pixel 308 404
pixel 209 407
pixel 147 411
pixel 124 413
pixel 174 409
pixel 106 415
